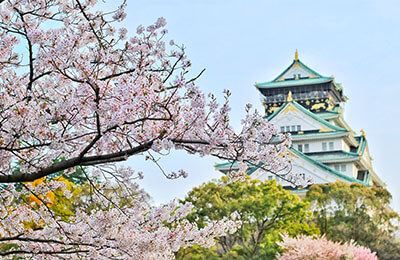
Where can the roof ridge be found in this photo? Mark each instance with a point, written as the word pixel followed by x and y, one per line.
pixel 308 68
pixel 285 83
pixel 282 73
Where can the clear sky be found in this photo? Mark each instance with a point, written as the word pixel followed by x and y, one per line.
pixel 243 42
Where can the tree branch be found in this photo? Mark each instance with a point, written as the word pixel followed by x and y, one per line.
pixel 77 161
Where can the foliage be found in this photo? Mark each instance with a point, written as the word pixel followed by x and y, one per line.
pixel 58 200
pixel 313 247
pixel 78 94
pixel 386 244
pixel 346 212
pixel 265 211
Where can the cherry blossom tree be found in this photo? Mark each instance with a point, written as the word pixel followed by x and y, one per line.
pixel 76 92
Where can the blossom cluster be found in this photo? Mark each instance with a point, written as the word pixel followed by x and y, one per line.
pixel 85 94
pixel 77 92
pixel 312 247
pixel 135 232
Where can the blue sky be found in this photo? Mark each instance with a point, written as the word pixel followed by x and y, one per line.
pixel 243 42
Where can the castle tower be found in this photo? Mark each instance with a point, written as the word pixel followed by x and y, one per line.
pixel 313 91
pixel 325 149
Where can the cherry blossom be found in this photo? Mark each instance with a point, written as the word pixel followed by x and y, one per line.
pixel 77 90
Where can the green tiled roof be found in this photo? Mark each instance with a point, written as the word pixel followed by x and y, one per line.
pixel 234 165
pixel 333 112
pixel 299 190
pixel 334 156
pixel 293 82
pixel 362 144
pixel 315 77
pixel 227 164
pixel 307 158
pixel 309 113
pixel 323 166
pixel 319 134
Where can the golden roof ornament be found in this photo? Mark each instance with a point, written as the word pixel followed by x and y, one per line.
pixel 362 133
pixel 289 97
pixel 296 56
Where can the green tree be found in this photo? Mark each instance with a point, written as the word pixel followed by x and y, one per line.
pixel 345 212
pixel 265 209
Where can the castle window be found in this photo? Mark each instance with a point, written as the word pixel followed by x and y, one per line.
pixel 361 175
pixel 300 147
pixel 298 128
pixel 331 146
pixel 282 129
pixel 287 128
pixel 337 167
pixel 324 148
pixel 306 148
pixel 293 128
pixel 343 167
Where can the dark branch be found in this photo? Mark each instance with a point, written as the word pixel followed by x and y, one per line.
pixel 77 161
pixel 68 251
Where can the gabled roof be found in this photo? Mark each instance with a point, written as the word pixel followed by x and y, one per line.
pixel 324 167
pixel 334 156
pixel 234 166
pixel 297 65
pixel 296 74
pixel 308 113
pixel 320 165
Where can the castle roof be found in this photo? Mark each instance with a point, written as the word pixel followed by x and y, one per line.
pixel 296 74
pixel 223 167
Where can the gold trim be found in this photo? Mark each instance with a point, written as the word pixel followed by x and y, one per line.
pixel 296 55
pixel 324 129
pixel 295 66
pixel 289 97
pixel 272 109
pixel 289 108
pixel 318 106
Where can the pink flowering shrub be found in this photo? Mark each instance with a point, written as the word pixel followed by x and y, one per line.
pixel 362 253
pixel 313 248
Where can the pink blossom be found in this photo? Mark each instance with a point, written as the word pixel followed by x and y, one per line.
pixel 314 247
pixel 91 99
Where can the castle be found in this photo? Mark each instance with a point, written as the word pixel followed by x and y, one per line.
pixel 324 149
